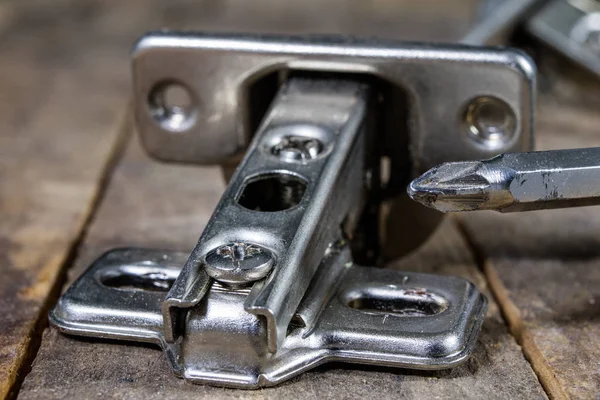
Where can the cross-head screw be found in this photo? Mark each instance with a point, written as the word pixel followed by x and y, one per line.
pixel 297 148
pixel 239 263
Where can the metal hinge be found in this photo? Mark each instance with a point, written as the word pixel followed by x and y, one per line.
pixel 332 129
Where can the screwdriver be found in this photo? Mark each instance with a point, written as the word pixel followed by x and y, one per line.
pixel 513 182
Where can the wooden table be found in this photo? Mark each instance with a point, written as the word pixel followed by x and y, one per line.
pixel 74 183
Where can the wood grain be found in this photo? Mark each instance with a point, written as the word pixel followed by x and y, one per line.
pixel 59 107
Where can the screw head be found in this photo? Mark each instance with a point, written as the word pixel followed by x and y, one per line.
pixel 490 122
pixel 297 148
pixel 238 263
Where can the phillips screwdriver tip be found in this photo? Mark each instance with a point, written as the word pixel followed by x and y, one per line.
pixel 513 182
pixel 458 186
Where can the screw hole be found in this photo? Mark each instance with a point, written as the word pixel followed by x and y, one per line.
pixel 172 106
pixel 490 122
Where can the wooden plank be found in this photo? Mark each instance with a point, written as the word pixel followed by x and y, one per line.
pixel 166 206
pixel 544 266
pixel 58 132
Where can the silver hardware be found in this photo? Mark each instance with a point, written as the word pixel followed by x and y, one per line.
pixel 423 91
pixel 513 182
pixel 293 209
pixel 238 263
pixel 271 289
pixel 350 313
pixel 572 28
pixel 229 76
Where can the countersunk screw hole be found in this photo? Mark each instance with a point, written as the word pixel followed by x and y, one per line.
pixel 172 105
pixel 490 122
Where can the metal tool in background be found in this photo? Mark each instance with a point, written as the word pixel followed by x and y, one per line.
pixel 272 287
pixel 513 182
pixel 572 28
pixel 497 20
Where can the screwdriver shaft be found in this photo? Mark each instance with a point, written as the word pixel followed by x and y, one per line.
pixel 513 182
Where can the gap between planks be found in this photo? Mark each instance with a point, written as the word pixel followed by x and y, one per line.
pixel 34 337
pixel 512 317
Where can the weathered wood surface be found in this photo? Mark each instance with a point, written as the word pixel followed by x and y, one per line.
pixel 59 103
pixel 544 266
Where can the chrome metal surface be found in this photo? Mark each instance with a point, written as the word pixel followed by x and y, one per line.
pixel 238 263
pixel 497 20
pixel 230 78
pixel 271 288
pixel 292 209
pixel 490 122
pixel 350 313
pixel 513 182
pixel 572 28
pixel 297 148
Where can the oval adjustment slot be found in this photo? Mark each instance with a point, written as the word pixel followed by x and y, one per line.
pixel 134 277
pixel 413 302
pixel 272 192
